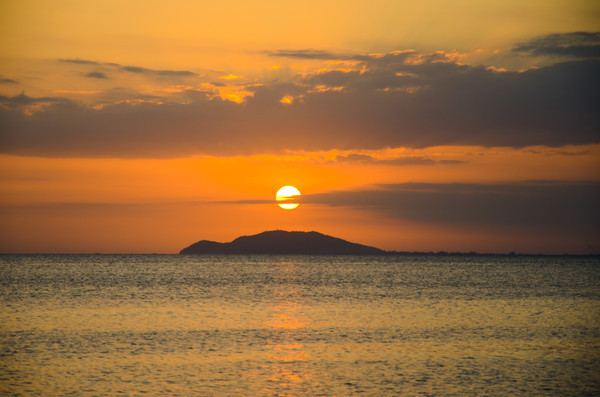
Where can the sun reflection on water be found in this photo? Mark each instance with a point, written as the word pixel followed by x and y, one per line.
pixel 286 354
pixel 287 315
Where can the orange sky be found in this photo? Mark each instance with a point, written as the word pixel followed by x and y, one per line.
pixel 144 127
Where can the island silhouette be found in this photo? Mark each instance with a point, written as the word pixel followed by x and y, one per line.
pixel 280 242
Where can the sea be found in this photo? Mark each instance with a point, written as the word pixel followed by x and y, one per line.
pixel 227 325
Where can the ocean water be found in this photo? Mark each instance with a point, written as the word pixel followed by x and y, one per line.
pixel 104 325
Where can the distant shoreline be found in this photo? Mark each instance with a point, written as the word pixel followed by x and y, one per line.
pixel 387 253
pixel 299 243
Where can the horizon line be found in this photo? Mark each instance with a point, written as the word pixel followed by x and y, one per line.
pixel 385 253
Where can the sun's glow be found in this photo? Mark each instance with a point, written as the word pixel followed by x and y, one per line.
pixel 288 193
pixel 287 100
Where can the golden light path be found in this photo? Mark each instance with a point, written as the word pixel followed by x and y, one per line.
pixel 288 193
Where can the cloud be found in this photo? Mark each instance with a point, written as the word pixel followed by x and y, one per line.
pixel 408 160
pixel 8 81
pixel 79 61
pixel 576 44
pixel 559 152
pixel 22 99
pixel 306 54
pixel 399 99
pixel 26 106
pixel 137 69
pixel 130 69
pixel 96 75
pixel 537 204
pixel 244 202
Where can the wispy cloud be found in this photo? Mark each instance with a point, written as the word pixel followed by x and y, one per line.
pixel 306 54
pixel 576 44
pixel 79 61
pixel 96 75
pixel 138 69
pixel 127 68
pixel 22 99
pixel 8 81
pixel 407 160
pixel 536 204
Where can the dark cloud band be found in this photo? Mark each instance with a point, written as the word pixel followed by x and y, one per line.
pixel 131 69
pixel 576 44
pixel 543 204
pixel 398 99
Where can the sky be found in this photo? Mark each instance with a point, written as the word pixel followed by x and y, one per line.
pixel 145 126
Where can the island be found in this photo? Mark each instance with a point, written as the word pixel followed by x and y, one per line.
pixel 280 242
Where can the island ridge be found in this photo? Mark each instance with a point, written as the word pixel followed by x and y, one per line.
pixel 282 242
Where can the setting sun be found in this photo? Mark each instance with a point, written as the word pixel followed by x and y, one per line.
pixel 288 193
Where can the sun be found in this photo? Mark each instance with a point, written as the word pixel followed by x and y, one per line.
pixel 288 193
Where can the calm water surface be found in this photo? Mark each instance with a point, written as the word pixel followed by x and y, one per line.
pixel 298 325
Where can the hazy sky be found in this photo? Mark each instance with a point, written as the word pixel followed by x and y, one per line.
pixel 144 126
